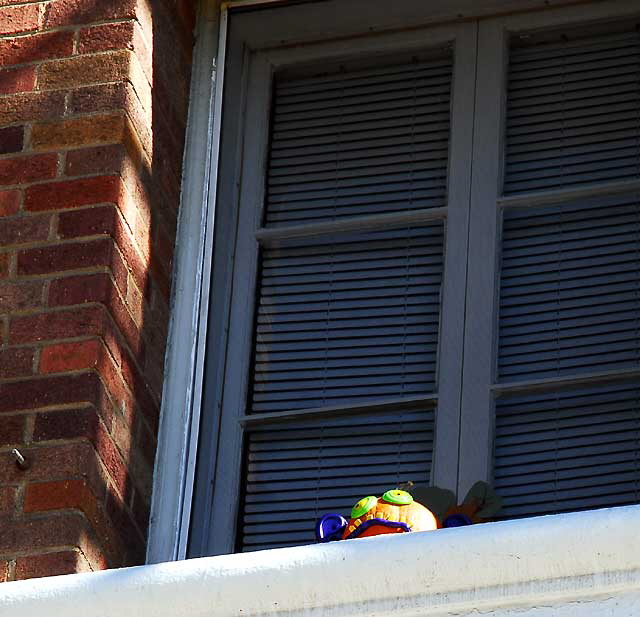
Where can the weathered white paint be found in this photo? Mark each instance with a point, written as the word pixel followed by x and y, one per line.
pixel 182 388
pixel 567 565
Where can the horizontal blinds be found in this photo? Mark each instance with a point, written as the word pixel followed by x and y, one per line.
pixel 570 288
pixel 568 450
pixel 572 111
pixel 346 319
pixel 296 471
pixel 358 142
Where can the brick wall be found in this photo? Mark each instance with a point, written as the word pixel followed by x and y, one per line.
pixel 93 102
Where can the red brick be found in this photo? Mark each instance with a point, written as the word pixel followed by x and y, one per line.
pixel 51 564
pixel 79 289
pixel 31 106
pixel 19 19
pixel 69 356
pixel 35 393
pixel 62 257
pixel 96 288
pixel 58 495
pixel 7 500
pixel 100 159
pixel 100 220
pixel 23 169
pixel 23 229
pixel 105 220
pixel 142 393
pixel 20 296
pixel 12 433
pixel 113 380
pixel 35 47
pixel 138 266
pixel 9 202
pixel 7 2
pixel 71 12
pixel 5 261
pixel 63 529
pixel 88 130
pixel 65 424
pixel 11 139
pixel 84 70
pixel 119 96
pixel 72 494
pixel 112 37
pixel 106 97
pixel 112 460
pixel 187 14
pixel 75 322
pixel 123 521
pixel 16 362
pixel 73 193
pixel 55 462
pixel 22 79
pixel 106 37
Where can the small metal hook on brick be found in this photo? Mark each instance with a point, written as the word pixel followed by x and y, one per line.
pixel 21 461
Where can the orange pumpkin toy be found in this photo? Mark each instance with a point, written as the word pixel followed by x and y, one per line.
pixel 394 512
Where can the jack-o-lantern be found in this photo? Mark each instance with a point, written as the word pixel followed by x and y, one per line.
pixel 395 512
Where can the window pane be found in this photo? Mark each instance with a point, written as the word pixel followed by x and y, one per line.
pixel 570 288
pixel 299 470
pixel 355 142
pixel 568 450
pixel 572 109
pixel 348 319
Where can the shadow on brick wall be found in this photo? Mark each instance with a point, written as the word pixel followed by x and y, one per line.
pixel 92 118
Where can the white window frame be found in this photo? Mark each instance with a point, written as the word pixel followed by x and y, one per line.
pixel 182 412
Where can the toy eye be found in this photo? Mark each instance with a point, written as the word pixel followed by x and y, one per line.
pixel 398 497
pixel 363 506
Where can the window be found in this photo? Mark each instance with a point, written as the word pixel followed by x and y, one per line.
pixel 425 265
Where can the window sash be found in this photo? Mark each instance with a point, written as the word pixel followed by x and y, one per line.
pixel 480 384
pixel 248 146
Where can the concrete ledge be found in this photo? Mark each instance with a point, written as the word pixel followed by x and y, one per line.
pixel 573 564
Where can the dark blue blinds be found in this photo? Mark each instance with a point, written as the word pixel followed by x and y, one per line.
pixel 298 470
pixel 346 321
pixel 568 449
pixel 570 283
pixel 360 142
pixel 348 318
pixel 572 110
pixel 569 313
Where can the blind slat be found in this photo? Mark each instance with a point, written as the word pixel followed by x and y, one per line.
pixel 569 98
pixel 568 450
pixel 303 469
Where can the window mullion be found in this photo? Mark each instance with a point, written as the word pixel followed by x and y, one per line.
pixel 480 313
pixel 450 346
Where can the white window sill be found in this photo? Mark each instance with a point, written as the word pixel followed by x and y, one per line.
pixel 576 564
